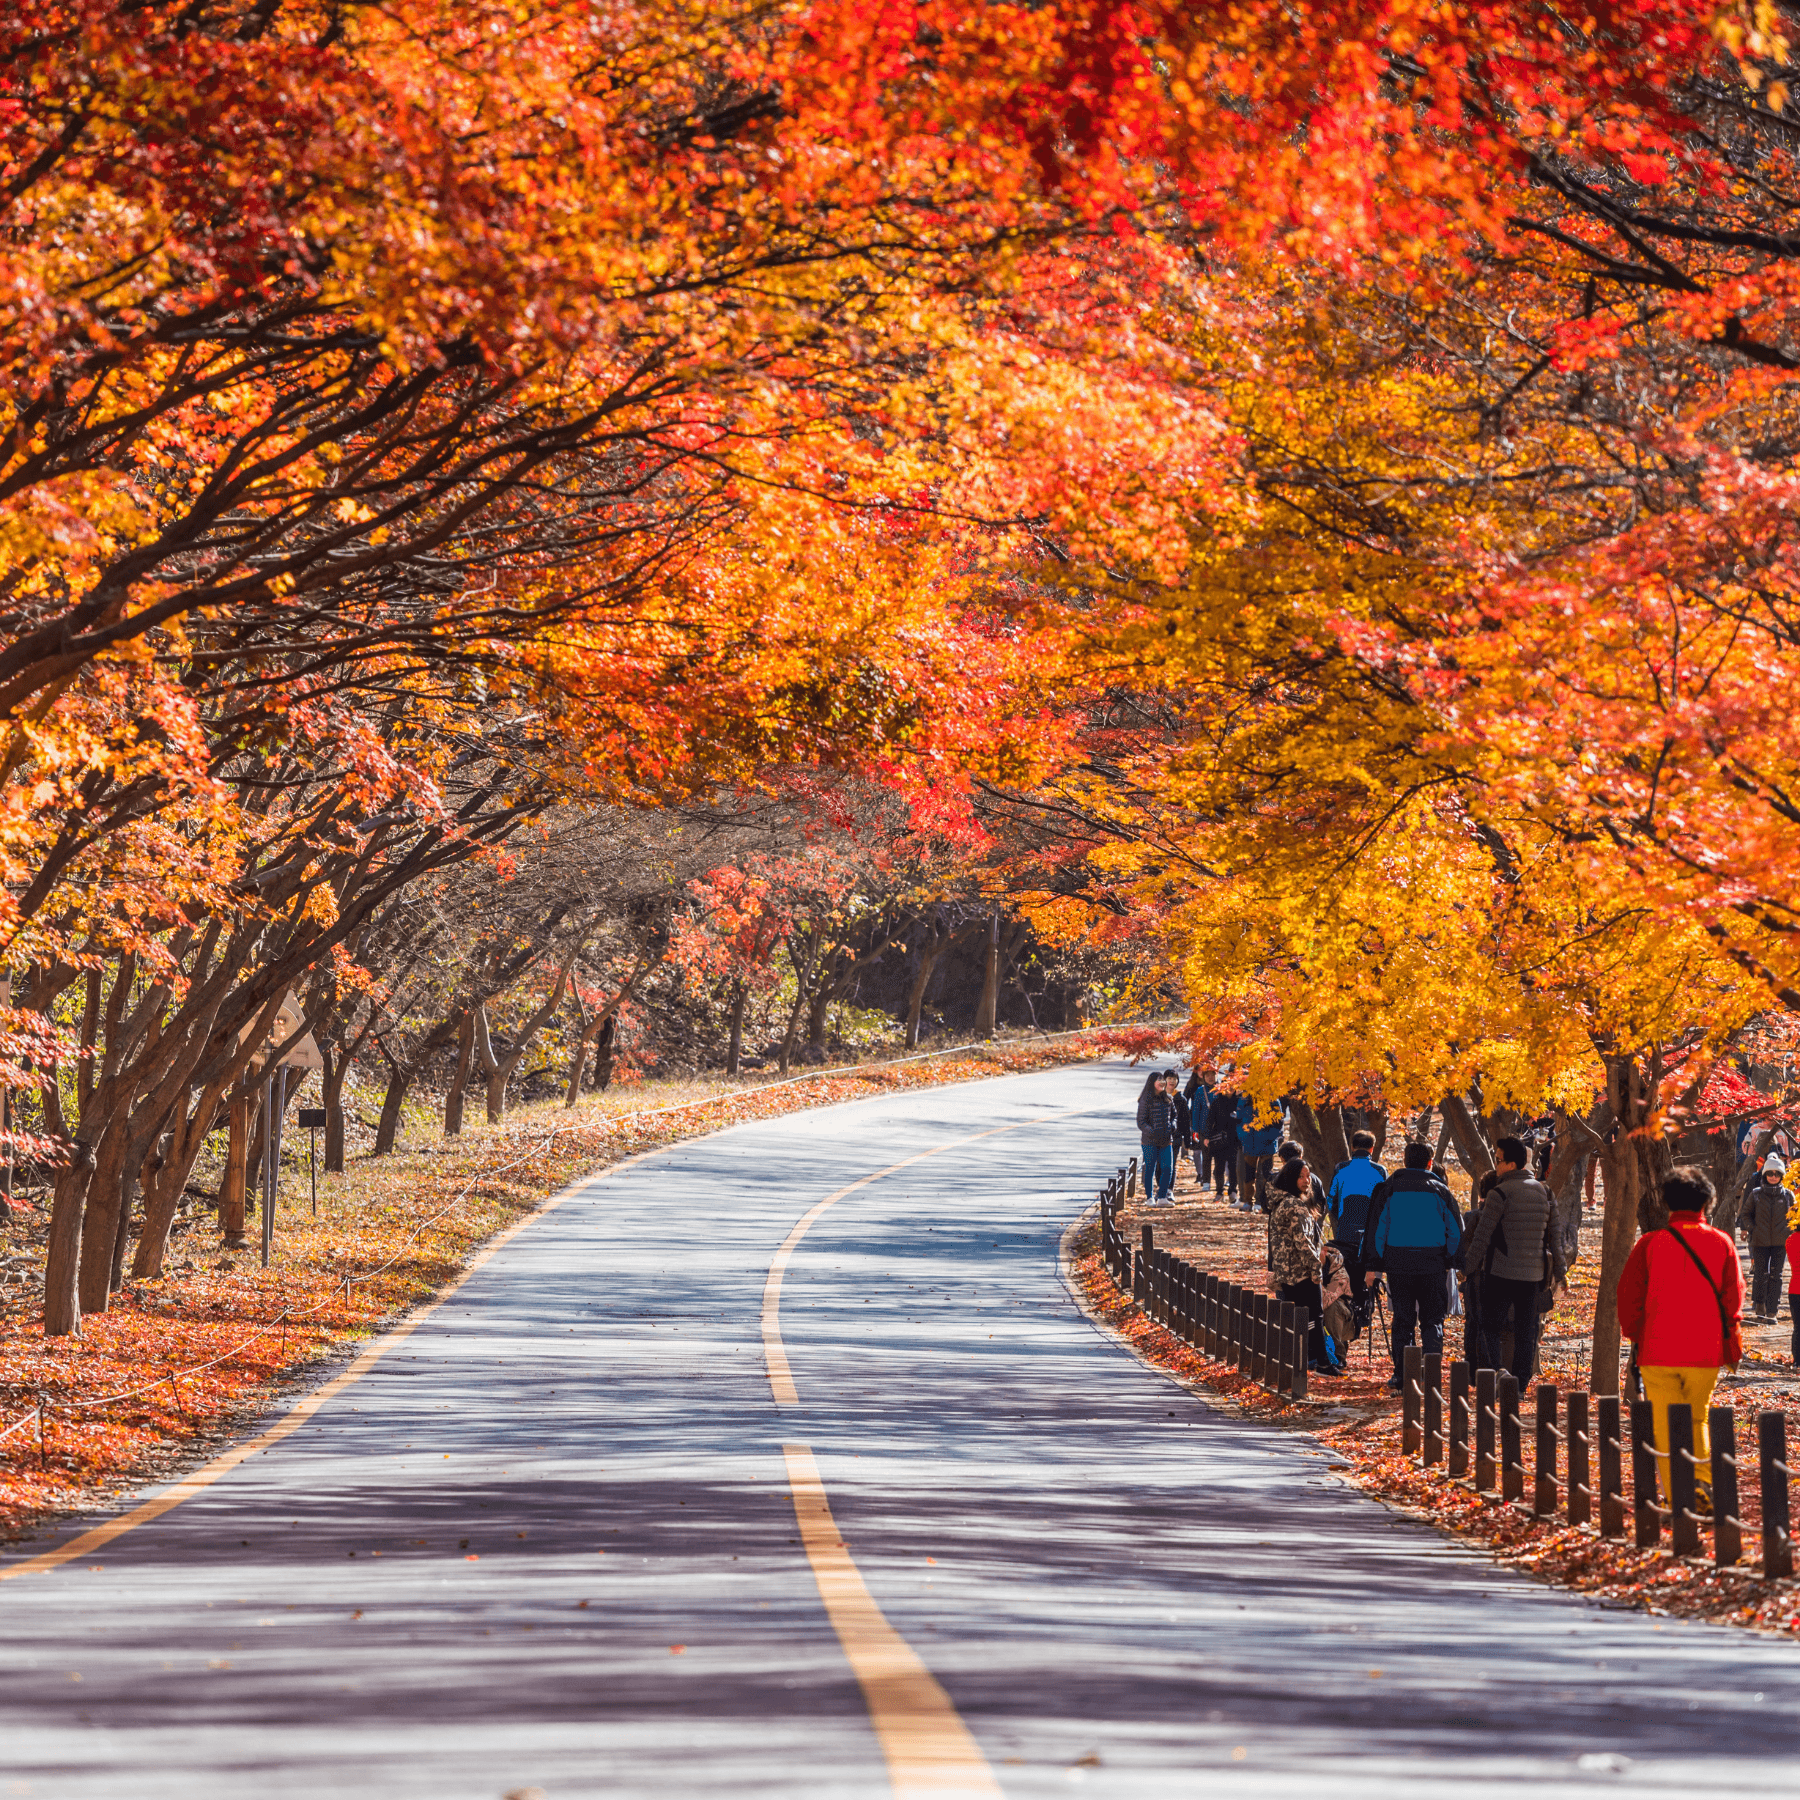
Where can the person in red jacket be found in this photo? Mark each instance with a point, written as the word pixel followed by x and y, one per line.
pixel 1680 1299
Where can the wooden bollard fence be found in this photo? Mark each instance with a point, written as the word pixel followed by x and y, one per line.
pixel 1512 1455
pixel 1266 1338
pixel 1648 1516
pixel 1771 1447
pixel 1486 1418
pixel 1728 1527
pixel 1459 1420
pixel 1545 1488
pixel 1684 1516
pixel 1610 1454
pixel 1579 1459
pixel 1432 1449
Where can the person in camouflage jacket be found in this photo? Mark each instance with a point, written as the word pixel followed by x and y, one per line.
pixel 1296 1252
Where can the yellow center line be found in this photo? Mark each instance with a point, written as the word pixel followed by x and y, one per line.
pixel 931 1754
pixel 929 1750
pixel 781 1376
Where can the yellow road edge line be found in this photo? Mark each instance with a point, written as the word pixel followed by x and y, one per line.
pixel 928 1748
pixel 781 1375
pixel 304 1408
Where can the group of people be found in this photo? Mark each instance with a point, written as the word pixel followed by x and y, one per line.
pixel 1219 1129
pixel 1332 1245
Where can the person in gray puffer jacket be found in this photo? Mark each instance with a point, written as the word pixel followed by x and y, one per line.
pixel 1764 1216
pixel 1511 1251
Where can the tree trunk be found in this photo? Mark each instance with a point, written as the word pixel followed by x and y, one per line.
pixel 485 1060
pixel 1465 1133
pixel 817 1009
pixel 122 1231
pixel 331 1083
pixel 453 1101
pixel 162 1193
pixel 802 978
pixel 231 1189
pixel 106 1199
pixel 506 1067
pixel 1576 1140
pixel 62 1265
pixel 1311 1139
pixel 577 1067
pixel 734 1047
pixel 988 1010
pixel 399 1080
pixel 603 1052
pixel 930 952
pixel 1634 1167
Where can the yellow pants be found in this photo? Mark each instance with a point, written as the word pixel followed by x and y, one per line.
pixel 1691 1387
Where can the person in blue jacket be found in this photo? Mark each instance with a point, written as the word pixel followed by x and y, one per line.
pixel 1347 1213
pixel 1198 1093
pixel 1413 1232
pixel 1256 1153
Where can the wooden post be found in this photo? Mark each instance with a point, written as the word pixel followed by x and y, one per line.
pixel 1297 1382
pixel 1684 1517
pixel 1209 1315
pixel 1411 1393
pixel 1610 1455
pixel 1580 1490
pixel 1771 1456
pixel 1140 1274
pixel 1728 1529
pixel 1486 1418
pixel 1258 1322
pixel 1512 1450
pixel 1643 1476
pixel 1233 1327
pixel 237 1151
pixel 1459 1420
pixel 1434 1408
pixel 1544 1486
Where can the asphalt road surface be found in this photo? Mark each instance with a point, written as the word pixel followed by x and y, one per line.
pixel 566 1536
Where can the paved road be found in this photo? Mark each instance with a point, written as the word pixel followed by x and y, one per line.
pixel 550 1540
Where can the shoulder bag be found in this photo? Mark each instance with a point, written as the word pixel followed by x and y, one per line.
pixel 1731 1331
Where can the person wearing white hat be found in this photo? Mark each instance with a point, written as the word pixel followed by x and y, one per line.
pixel 1764 1216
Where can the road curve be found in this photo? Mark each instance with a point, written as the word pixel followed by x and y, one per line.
pixel 564 1537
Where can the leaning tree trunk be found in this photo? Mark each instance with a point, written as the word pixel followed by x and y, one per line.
pixel 1465 1133
pixel 162 1194
pixel 399 1080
